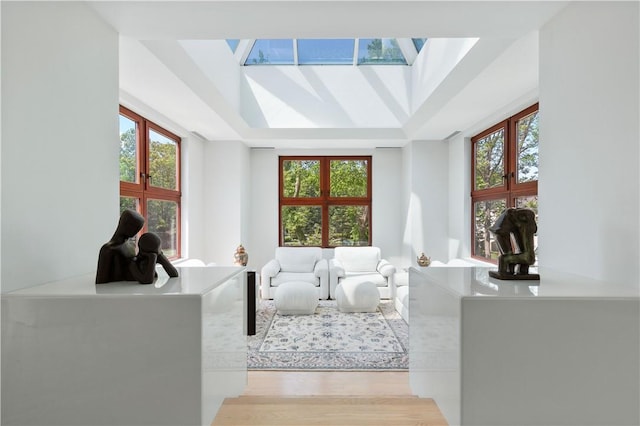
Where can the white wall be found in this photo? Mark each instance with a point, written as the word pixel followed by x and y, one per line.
pixel 386 201
pixel 59 123
pixel 589 137
pixel 386 214
pixel 426 217
pixel 193 200
pixel 434 63
pixel 459 162
pixel 226 200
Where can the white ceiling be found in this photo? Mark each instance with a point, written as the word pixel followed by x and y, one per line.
pixel 166 69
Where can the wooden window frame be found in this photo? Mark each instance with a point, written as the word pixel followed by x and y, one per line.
pixel 325 201
pixel 143 190
pixel 510 189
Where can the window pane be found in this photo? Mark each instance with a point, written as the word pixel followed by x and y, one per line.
pixel 419 43
pixel 325 51
pixel 233 43
pixel 272 52
pixel 379 51
pixel 348 178
pixel 348 226
pixel 301 226
pixel 485 215
pixel 163 166
pixel 527 168
pixel 301 178
pixel 162 220
pixel 131 203
pixel 128 151
pixel 530 202
pixel 489 160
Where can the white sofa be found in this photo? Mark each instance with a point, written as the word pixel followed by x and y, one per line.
pixel 302 264
pixel 361 264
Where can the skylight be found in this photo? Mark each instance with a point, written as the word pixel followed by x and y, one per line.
pixel 363 51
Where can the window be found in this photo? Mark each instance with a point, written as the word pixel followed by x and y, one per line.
pixel 325 201
pixel 150 177
pixel 504 174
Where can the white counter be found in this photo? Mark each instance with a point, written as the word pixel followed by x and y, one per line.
pixel 565 350
pixel 77 353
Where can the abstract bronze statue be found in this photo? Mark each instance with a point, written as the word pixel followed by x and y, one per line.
pixel 117 260
pixel 514 231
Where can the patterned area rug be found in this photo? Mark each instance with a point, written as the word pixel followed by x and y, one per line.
pixel 329 339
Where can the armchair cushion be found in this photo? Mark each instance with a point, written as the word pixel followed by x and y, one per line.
pixel 297 259
pixel 284 277
pixel 358 259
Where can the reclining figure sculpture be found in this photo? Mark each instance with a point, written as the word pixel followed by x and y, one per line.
pixel 118 260
pixel 514 231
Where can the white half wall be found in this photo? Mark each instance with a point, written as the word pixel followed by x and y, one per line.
pixel 589 149
pixel 59 123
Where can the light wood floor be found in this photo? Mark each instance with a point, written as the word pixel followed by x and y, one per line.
pixel 328 398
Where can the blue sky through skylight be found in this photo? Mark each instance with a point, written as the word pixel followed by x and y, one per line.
pixel 370 51
pixel 325 51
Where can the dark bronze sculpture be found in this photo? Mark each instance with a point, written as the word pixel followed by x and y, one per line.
pixel 143 268
pixel 117 260
pixel 514 231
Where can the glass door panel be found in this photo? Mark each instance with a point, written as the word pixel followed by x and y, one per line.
pixel 301 178
pixel 348 226
pixel 527 156
pixel 485 215
pixel 489 161
pixel 163 164
pixel 129 171
pixel 163 221
pixel 301 225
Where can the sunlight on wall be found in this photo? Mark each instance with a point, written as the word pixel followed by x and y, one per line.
pixel 277 112
pixel 413 231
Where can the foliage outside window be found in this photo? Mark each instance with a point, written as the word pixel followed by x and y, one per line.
pixel 325 201
pixel 150 177
pixel 504 174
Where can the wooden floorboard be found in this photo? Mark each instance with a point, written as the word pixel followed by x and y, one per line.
pixel 328 398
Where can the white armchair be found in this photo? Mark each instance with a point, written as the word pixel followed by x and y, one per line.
pixel 295 264
pixel 361 264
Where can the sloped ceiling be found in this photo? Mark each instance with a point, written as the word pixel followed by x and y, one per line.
pixel 165 65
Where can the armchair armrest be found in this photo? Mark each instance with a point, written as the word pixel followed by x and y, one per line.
pixel 386 268
pixel 321 268
pixel 336 268
pixel 336 271
pixel 271 269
